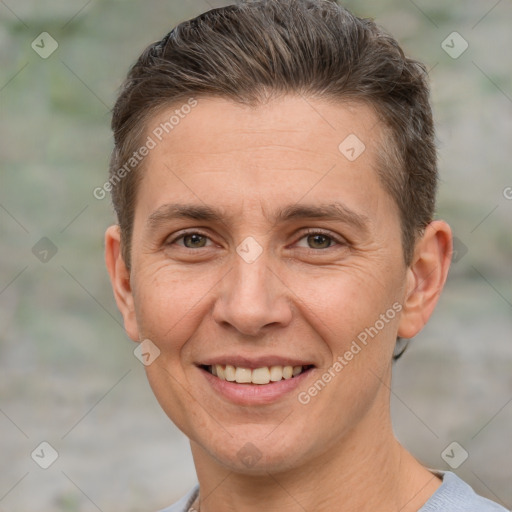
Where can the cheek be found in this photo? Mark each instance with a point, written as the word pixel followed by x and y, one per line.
pixel 356 317
pixel 340 307
pixel 169 305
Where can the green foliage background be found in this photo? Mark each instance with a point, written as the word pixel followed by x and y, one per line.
pixel 67 371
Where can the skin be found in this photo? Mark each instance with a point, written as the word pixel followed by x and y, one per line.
pixel 305 297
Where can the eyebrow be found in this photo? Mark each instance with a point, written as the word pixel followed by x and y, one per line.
pixel 173 211
pixel 334 211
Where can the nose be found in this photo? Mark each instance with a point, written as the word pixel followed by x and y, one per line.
pixel 252 298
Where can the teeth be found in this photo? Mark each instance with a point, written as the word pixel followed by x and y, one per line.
pixel 276 373
pixel 262 375
pixel 243 375
pixel 229 373
pixel 220 371
pixel 287 372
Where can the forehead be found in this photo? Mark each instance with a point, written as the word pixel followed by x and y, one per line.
pixel 220 125
pixel 241 157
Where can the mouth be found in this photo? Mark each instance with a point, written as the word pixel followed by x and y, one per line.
pixel 256 376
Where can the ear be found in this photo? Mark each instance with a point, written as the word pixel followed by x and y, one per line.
pixel 120 280
pixel 426 277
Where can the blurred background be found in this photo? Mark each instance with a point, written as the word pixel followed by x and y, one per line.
pixel 68 375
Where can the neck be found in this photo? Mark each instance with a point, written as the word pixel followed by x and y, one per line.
pixel 367 470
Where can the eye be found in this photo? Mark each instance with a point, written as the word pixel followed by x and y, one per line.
pixel 191 240
pixel 318 240
pixel 313 240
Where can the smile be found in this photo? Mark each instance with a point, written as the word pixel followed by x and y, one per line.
pixel 260 376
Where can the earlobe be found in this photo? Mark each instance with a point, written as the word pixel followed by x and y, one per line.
pixel 426 277
pixel 120 280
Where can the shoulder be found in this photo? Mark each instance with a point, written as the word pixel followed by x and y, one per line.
pixel 184 503
pixel 455 495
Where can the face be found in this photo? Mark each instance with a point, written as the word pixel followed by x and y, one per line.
pixel 260 249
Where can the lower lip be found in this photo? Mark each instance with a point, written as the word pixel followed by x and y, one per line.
pixel 254 394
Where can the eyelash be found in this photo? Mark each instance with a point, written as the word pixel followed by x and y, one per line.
pixel 335 239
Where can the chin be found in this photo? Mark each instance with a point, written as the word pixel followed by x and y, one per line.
pixel 250 460
pixel 255 454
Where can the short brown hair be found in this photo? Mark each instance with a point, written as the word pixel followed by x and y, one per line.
pixel 259 49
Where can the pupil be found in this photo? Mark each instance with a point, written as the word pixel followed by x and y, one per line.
pixel 194 241
pixel 319 241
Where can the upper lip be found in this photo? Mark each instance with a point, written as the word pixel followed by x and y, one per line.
pixel 255 362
